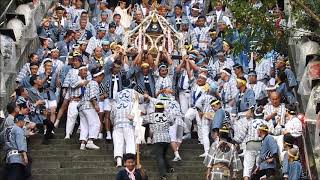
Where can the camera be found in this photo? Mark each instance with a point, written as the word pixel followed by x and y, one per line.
pixel 176 57
pixel 42 109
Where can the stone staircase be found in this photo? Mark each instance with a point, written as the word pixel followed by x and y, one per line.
pixel 62 160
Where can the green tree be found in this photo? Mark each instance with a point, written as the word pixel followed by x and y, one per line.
pixel 307 13
pixel 257 23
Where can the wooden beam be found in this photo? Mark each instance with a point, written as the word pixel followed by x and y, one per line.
pixel 308 11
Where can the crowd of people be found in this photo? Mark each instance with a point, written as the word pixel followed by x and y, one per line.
pixel 241 107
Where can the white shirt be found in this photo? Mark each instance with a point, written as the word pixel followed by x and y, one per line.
pixel 76 13
pixel 272 81
pixel 63 22
pixel 192 19
pixel 184 77
pixel 115 86
pixel 198 91
pixel 281 110
pixel 58 64
pixel 218 65
pixel 258 88
pixel 144 10
pixel 294 127
pixel 120 31
pixel 196 1
pixel 218 13
pixel 125 17
pixel 93 43
pixel 263 68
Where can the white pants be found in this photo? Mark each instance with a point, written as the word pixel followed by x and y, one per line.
pixel 190 115
pixel 176 133
pixel 72 116
pixel 184 100
pixel 279 140
pixel 146 108
pixel 67 96
pixel 250 158
pixel 123 140
pixel 103 105
pixel 205 131
pixel 89 124
pixel 50 103
pixel 108 103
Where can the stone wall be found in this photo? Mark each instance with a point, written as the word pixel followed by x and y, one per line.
pixel 10 84
pixel 296 62
pixel 27 45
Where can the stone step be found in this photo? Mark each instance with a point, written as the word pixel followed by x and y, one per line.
pixel 85 177
pixel 60 130
pixel 101 144
pixel 102 167
pixel 107 157
pixel 59 139
pixel 75 139
pixel 109 162
pixel 104 176
pixel 146 153
pixel 62 160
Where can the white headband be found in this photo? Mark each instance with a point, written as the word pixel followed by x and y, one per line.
pixel 201 75
pixel 75 46
pixel 224 71
pixel 256 114
pixel 55 49
pixel 98 74
pixel 163 66
pixel 83 67
pixel 269 88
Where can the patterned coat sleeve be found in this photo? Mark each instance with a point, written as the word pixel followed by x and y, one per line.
pixel 200 103
pixel 23 72
pixel 295 170
pixel 94 91
pixel 147 119
pixel 75 81
pixel 21 140
pixel 285 164
pixel 251 99
pixel 292 82
pixel 240 130
pixel 67 80
pixel 236 162
pixel 208 161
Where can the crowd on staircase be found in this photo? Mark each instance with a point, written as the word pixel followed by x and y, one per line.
pixel 241 107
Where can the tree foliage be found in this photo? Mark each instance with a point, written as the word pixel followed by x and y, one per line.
pixel 307 14
pixel 257 23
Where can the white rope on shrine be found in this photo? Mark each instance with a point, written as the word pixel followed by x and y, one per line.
pixel 143 26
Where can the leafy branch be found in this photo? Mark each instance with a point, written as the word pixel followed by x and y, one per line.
pixel 307 10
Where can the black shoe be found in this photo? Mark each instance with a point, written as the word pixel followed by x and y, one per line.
pixel 40 128
pixel 48 135
pixel 163 178
pixel 170 170
pixel 109 141
pixel 45 141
